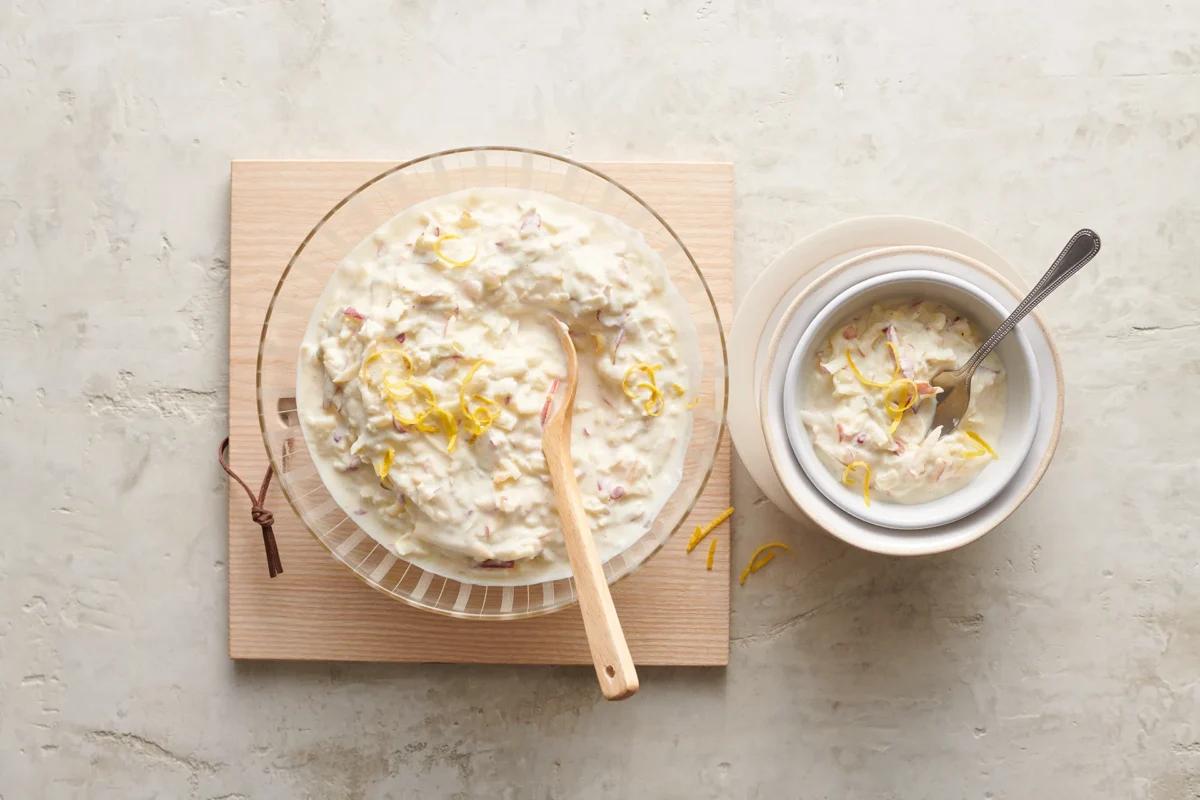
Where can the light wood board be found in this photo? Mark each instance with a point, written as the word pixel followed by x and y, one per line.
pixel 673 610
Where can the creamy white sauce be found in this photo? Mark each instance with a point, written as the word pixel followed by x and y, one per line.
pixel 848 420
pixel 468 278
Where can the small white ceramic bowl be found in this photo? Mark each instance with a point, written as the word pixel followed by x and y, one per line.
pixel 815 290
pixel 1021 407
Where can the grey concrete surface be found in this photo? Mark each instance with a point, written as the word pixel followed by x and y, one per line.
pixel 1057 658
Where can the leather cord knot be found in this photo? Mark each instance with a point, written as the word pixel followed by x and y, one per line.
pixel 261 516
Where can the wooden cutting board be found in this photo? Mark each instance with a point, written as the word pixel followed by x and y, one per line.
pixel 673 610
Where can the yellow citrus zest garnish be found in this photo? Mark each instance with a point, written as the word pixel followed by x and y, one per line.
pixel 395 387
pixel 890 401
pixel 702 531
pixel 896 359
pixel 712 553
pixel 384 465
pixel 449 426
pixel 895 407
pixel 755 566
pixel 442 420
pixel 863 379
pixel 422 388
pixel 987 448
pixel 364 375
pixel 437 251
pixel 894 404
pixel 849 470
pixel 416 423
pixel 695 401
pixel 653 404
pixel 678 390
pixel 479 419
pixel 433 418
pixel 762 556
pixel 641 366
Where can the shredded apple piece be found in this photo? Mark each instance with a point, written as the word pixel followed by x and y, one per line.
pixel 617 344
pixel 762 556
pixel 853 465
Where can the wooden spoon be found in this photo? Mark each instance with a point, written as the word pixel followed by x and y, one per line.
pixel 610 653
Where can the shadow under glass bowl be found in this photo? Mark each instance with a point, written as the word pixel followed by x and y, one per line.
pixel 303 280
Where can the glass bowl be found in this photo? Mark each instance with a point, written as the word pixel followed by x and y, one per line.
pixel 337 233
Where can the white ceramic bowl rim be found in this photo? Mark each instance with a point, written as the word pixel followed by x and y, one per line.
pixel 809 502
pixel 984 488
pixel 790 275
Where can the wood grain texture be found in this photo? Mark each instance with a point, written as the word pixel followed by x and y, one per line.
pixel 674 612
pixel 610 650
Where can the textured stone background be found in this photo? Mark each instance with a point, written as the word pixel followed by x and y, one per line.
pixel 1058 657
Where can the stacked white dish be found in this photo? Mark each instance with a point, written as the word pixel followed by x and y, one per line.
pixel 800 292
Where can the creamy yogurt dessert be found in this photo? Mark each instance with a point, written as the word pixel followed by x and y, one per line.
pixel 428 369
pixel 868 405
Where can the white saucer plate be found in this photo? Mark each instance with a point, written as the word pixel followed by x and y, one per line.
pixel 756 329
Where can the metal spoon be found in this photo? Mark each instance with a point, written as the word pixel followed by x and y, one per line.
pixel 955 384
pixel 610 653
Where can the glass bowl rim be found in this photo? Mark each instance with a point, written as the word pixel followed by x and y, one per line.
pixel 328 215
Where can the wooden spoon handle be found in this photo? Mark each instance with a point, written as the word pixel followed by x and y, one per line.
pixel 610 652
